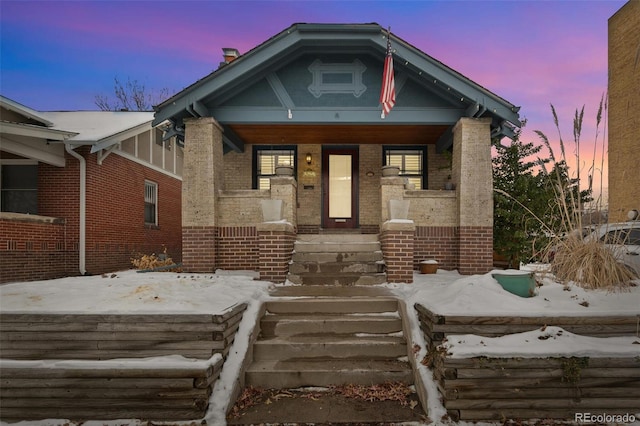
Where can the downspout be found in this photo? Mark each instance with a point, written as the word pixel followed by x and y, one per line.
pixel 83 207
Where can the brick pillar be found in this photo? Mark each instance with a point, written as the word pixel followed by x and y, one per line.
pixel 396 241
pixel 202 178
pixel 275 241
pixel 473 175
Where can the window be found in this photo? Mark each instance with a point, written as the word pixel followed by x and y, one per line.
pixel 265 160
pixel 150 203
pixel 410 160
pixel 19 188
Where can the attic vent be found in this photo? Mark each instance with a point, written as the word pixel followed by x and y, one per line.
pixel 337 78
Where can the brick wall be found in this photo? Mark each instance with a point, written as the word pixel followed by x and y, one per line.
pixel 237 248
pixel 624 102
pixel 115 228
pixel 476 250
pixel 115 214
pixel 276 242
pixel 397 244
pixel 439 243
pixel 35 249
pixel 199 248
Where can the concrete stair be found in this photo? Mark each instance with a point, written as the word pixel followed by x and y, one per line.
pixel 326 341
pixel 337 259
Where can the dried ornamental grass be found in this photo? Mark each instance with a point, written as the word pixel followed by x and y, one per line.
pixel 590 264
pixel 151 261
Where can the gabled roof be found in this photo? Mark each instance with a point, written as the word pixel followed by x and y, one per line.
pixel 27 112
pixel 470 99
pixel 101 129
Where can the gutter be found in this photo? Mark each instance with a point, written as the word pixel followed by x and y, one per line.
pixel 83 207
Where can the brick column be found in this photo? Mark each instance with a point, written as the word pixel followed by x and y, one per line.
pixel 396 241
pixel 202 178
pixel 473 175
pixel 275 241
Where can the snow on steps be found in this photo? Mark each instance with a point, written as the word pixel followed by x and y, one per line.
pixel 329 341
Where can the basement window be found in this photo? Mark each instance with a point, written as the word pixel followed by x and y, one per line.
pixel 265 160
pixel 150 203
pixel 411 160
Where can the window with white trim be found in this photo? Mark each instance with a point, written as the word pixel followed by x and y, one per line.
pixel 150 203
pixel 19 188
pixel 411 160
pixel 265 160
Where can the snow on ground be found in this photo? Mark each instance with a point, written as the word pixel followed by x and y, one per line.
pixel 446 292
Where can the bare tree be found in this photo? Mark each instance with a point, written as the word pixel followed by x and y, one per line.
pixel 130 96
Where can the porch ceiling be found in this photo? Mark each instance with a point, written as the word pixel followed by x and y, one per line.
pixel 340 134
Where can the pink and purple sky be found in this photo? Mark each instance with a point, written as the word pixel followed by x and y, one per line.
pixel 58 55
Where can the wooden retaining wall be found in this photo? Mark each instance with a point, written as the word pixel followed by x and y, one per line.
pixel 436 327
pixel 97 336
pixel 545 388
pixel 100 389
pixel 94 392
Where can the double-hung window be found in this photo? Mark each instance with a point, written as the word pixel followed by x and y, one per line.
pixel 19 188
pixel 411 160
pixel 150 203
pixel 265 160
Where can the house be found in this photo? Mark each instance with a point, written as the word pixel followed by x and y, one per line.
pixel 81 192
pixel 624 101
pixel 308 98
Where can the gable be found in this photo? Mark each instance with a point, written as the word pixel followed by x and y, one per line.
pixel 330 74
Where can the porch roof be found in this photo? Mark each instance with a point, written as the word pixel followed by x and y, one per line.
pixel 458 96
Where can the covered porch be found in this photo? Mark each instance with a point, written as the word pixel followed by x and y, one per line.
pixel 308 98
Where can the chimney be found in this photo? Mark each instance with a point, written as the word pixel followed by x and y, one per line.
pixel 230 54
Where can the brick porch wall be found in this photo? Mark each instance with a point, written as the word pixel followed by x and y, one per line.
pixel 199 248
pixel 237 248
pixel 476 250
pixel 397 244
pixel 439 243
pixel 276 242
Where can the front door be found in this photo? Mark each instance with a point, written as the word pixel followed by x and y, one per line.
pixel 340 187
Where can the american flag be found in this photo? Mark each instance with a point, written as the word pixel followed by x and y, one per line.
pixel 388 91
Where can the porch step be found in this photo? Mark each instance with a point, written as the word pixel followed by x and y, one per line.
pixel 322 341
pixel 294 324
pixel 334 305
pixel 337 259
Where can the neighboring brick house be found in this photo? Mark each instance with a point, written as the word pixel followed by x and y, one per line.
pixel 81 192
pixel 624 104
pixel 309 98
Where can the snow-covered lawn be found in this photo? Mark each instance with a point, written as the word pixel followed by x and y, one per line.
pixel 446 292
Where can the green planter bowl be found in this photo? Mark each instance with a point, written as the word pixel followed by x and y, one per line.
pixel 520 283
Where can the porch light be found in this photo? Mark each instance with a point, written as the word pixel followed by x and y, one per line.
pixel 308 157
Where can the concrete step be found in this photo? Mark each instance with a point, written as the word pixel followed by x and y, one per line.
pixel 335 247
pixel 337 238
pixel 334 305
pixel 338 278
pixel 329 346
pixel 325 257
pixel 290 325
pixel 335 267
pixel 326 372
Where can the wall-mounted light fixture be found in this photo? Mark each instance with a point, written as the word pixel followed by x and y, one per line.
pixel 308 157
